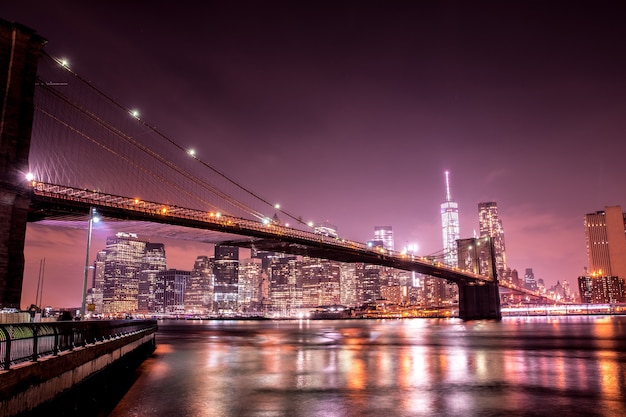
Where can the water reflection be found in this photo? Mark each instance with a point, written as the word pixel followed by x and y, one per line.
pixel 529 366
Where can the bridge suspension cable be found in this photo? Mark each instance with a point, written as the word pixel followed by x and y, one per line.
pixel 94 134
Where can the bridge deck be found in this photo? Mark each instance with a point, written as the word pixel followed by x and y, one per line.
pixel 51 201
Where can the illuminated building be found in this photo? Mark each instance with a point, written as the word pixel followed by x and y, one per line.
pixel 170 291
pixel 529 280
pixel 123 262
pixel 264 286
pixel 490 225
pixel 395 294
pixel 601 289
pixel 606 242
pixel 450 226
pixel 326 229
pixel 94 294
pixel 438 292
pixel 311 270
pixel 153 262
pixel 226 284
pixel 284 291
pixel 199 290
pixel 368 283
pixel 250 279
pixel 348 285
pixel 384 234
pixel 330 284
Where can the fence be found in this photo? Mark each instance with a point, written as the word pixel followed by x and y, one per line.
pixel 26 342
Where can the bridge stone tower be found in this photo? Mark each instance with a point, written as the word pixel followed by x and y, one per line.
pixel 20 48
pixel 478 300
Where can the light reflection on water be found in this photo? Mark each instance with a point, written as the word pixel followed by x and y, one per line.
pixel 516 367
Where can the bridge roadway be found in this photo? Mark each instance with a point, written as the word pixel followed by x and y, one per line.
pixel 51 201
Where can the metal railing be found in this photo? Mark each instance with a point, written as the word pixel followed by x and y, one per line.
pixel 26 342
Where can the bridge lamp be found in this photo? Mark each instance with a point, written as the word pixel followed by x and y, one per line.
pixel 192 152
pixel 135 114
pixel 30 176
pixel 64 63
pixel 310 224
pixel 266 221
pixel 277 206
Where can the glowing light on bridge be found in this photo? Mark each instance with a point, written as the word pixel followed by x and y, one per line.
pixel 30 176
pixel 64 63
pixel 310 224
pixel 277 206
pixel 266 221
pixel 164 210
pixel 192 152
pixel 135 114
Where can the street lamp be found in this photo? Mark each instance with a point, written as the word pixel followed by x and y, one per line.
pixel 92 218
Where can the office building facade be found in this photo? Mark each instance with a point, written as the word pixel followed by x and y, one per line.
pixel 124 256
pixel 490 225
pixel 605 235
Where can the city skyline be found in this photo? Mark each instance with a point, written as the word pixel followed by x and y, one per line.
pixel 131 276
pixel 350 113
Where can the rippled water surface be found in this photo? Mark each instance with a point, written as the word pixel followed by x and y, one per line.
pixel 420 367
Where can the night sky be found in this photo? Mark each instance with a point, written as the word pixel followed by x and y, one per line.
pixel 351 111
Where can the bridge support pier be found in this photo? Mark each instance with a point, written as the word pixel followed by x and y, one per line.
pixel 479 301
pixel 19 52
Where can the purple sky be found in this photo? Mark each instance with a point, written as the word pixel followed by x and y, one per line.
pixel 351 112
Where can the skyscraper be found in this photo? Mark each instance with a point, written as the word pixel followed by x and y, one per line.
pixel 490 225
pixel 250 278
pixel 450 226
pixel 226 285
pixel 199 290
pixel 367 283
pixel 124 258
pixel 170 291
pixel 94 294
pixel 348 285
pixel 602 289
pixel 321 282
pixel 529 280
pixel 284 286
pixel 154 261
pixel 384 234
pixel 606 242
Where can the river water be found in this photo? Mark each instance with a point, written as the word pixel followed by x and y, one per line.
pixel 566 366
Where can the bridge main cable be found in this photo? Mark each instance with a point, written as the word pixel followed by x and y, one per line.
pixel 155 130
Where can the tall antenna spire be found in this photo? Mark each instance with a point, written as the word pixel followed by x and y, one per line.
pixel 448 196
